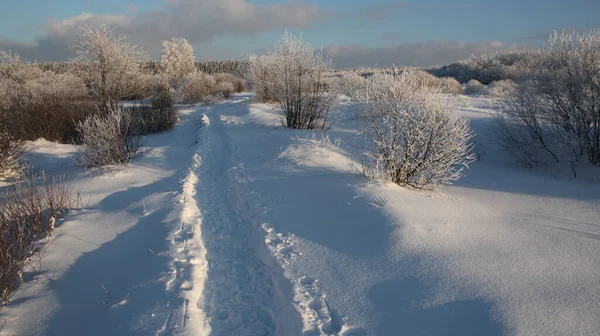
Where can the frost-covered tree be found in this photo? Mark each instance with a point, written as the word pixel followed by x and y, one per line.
pixel 293 74
pixel 415 137
pixel 108 64
pixel 554 115
pixel 13 68
pixel 177 58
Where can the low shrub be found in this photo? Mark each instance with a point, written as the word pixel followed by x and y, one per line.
pixel 474 87
pixel 10 152
pixel 450 85
pixel 201 87
pixel 196 87
pixel 502 88
pixel 162 98
pixel 147 120
pixel 46 107
pixel 28 213
pixel 349 83
pixel 107 139
pixel 415 137
pixel 238 84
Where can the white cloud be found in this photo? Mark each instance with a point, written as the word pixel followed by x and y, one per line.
pixel 197 20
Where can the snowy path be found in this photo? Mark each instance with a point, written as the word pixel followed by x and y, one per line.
pixel 232 225
pixel 244 293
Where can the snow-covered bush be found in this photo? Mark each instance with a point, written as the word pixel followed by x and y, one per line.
pixel 445 85
pixel 178 58
pixel 502 88
pixel 224 89
pixel 450 85
pixel 349 83
pixel 107 139
pixel 293 73
pixel 238 84
pixel 201 87
pixel 473 87
pixel 108 65
pixel 196 87
pixel 555 114
pixel 262 78
pixel 10 152
pixel 28 212
pixel 415 137
pixel 44 107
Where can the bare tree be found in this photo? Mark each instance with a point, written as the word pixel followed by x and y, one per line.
pixel 415 137
pixel 178 58
pixel 109 65
pixel 293 74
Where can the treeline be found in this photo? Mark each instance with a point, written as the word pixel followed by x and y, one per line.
pixel 211 67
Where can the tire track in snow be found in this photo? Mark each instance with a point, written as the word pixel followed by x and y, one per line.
pixel 241 292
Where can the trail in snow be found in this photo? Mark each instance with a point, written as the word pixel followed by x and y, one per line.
pixel 244 291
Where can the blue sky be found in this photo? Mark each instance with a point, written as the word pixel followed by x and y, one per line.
pixel 354 31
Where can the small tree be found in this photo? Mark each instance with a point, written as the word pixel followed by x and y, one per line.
pixel 414 135
pixel 293 75
pixel 178 58
pixel 108 65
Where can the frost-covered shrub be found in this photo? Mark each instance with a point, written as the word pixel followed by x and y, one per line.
pixel 162 98
pixel 150 119
pixel 178 58
pixel 44 107
pixel 224 89
pixel 502 88
pixel 201 87
pixel 554 115
pixel 238 84
pixel 349 83
pixel 14 68
pixel 415 136
pixel 196 87
pixel 109 66
pixel 293 74
pixel 29 210
pixel 450 85
pixel 473 87
pixel 10 152
pixel 107 139
pixel 261 78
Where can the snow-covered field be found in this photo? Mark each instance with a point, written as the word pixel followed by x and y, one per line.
pixel 233 225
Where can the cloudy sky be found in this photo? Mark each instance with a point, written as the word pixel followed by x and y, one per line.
pixel 354 33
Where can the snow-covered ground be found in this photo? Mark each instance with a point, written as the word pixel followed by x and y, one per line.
pixel 233 225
